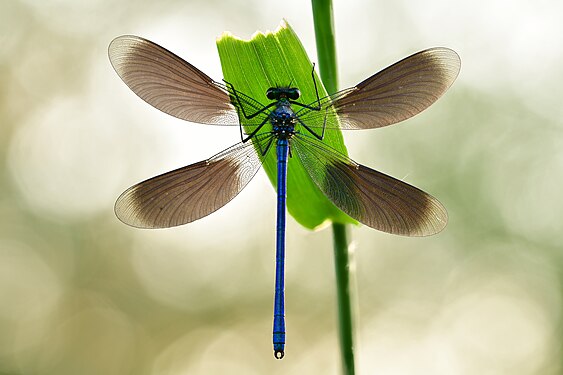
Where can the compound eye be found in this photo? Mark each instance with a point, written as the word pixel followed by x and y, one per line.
pixel 294 94
pixel 272 94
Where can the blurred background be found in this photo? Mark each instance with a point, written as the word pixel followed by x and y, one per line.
pixel 81 293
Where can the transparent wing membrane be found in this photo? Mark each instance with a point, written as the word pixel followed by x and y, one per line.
pixel 392 95
pixel 190 193
pixel 373 198
pixel 169 83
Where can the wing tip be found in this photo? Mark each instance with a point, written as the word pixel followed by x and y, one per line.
pixel 434 219
pixel 125 210
pixel 448 60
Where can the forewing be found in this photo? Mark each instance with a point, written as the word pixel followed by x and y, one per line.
pixel 373 198
pixel 169 83
pixel 396 93
pixel 190 193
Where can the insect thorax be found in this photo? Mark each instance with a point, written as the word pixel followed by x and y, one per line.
pixel 283 120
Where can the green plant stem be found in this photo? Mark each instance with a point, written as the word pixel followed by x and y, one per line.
pixel 343 265
pixel 326 53
pixel 326 47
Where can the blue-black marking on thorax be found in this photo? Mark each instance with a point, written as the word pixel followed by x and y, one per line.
pixel 283 119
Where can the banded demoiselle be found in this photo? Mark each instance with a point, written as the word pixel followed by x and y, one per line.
pixel 292 127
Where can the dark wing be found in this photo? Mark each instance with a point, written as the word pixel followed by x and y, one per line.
pixel 169 83
pixel 396 93
pixel 190 193
pixel 373 198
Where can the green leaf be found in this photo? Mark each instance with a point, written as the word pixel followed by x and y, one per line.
pixel 279 59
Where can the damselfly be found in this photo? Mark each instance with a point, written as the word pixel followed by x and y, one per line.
pixel 177 88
